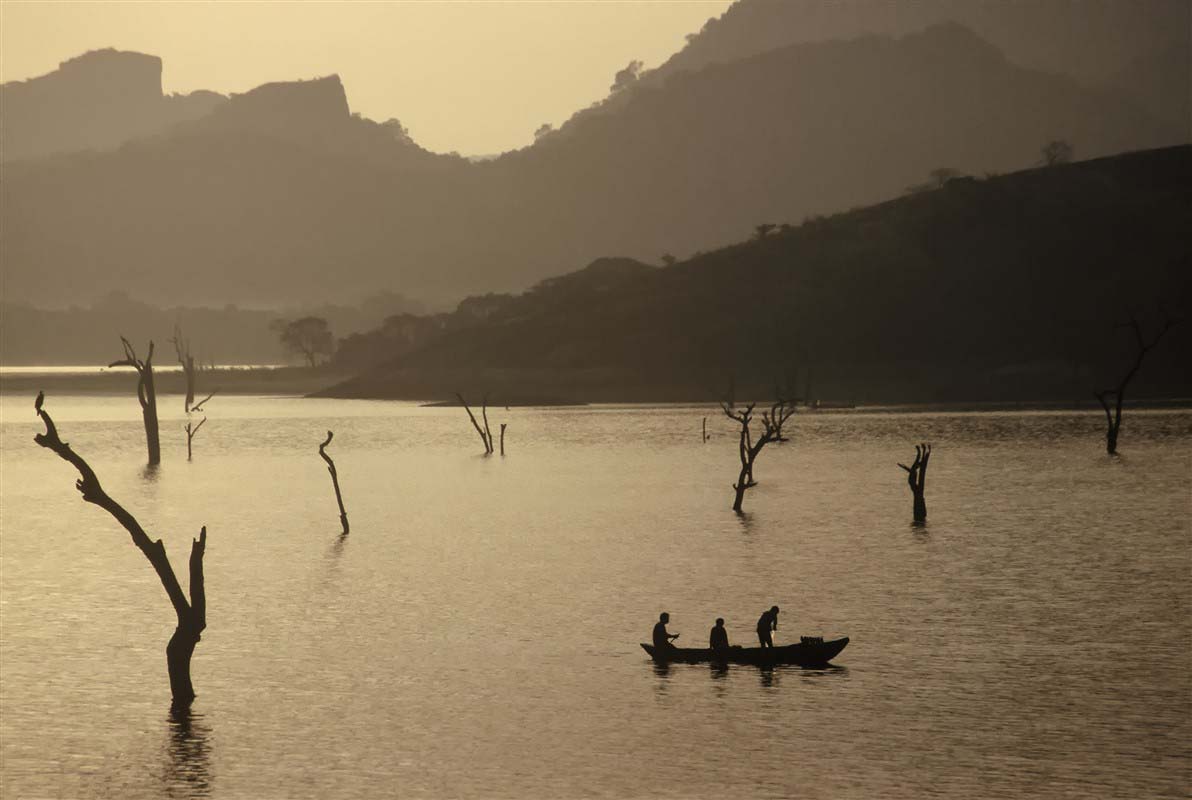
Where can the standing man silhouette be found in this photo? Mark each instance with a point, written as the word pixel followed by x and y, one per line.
pixel 766 623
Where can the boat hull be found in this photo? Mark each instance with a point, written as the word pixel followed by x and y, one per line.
pixel 803 654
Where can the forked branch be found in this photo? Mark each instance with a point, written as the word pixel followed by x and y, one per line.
pixel 192 617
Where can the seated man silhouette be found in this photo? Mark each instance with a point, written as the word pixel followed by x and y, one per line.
pixel 718 638
pixel 662 639
pixel 766 623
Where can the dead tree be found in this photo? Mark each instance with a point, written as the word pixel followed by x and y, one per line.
pixel 182 349
pixel 747 448
pixel 192 429
pixel 502 438
pixel 1113 418
pixel 486 436
pixel 192 615
pixel 916 478
pixel 190 435
pixel 343 515
pixel 146 394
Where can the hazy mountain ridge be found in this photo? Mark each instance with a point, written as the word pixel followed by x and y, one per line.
pixel 96 101
pixel 1005 288
pixel 1090 40
pixel 288 207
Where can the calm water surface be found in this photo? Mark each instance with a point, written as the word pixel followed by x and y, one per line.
pixel 476 634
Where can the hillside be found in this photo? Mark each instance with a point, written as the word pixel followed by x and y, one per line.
pixel 282 196
pixel 1007 288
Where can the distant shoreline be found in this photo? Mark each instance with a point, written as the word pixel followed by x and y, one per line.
pixel 306 382
pixel 299 381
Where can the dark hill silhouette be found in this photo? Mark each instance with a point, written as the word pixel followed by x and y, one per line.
pixel 282 196
pixel 1001 289
pixel 96 101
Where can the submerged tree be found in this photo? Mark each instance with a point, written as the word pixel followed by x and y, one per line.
pixel 343 515
pixel 187 360
pixel 747 448
pixel 182 349
pixel 146 394
pixel 916 478
pixel 192 615
pixel 192 430
pixel 486 434
pixel 1117 395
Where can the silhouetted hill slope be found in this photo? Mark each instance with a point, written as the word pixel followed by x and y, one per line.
pixel 1091 40
pixel 96 101
pixel 282 196
pixel 1005 288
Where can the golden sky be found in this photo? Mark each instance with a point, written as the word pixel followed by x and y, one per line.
pixel 477 76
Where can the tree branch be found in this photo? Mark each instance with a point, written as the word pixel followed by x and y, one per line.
pixel 199 405
pixel 472 417
pixel 89 487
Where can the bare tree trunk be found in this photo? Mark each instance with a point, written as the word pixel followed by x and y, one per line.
pixel 705 430
pixel 182 349
pixel 343 515
pixel 1114 421
pixel 488 434
pixel 502 438
pixel 740 486
pixel 192 432
pixel 188 633
pixel 1112 424
pixel 916 478
pixel 190 435
pixel 485 439
pixel 747 449
pixel 192 615
pixel 146 395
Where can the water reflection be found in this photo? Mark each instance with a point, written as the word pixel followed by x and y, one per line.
pixel 337 548
pixel 662 669
pixel 188 770
pixel 150 473
pixel 812 675
pixel 719 673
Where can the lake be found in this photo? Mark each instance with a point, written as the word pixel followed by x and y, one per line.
pixel 476 635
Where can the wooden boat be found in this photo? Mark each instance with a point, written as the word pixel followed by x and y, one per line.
pixel 807 653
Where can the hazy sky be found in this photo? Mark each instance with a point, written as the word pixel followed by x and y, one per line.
pixel 477 77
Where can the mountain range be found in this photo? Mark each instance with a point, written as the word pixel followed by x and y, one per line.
pixel 282 196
